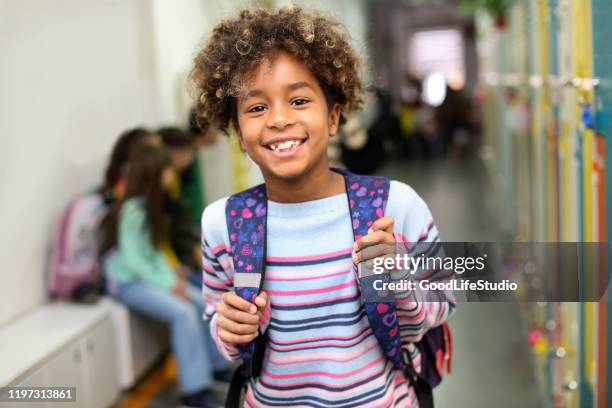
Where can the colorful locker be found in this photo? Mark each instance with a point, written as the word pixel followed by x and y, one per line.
pixel 602 50
pixel 559 186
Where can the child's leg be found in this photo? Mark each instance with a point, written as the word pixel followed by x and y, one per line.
pixel 218 362
pixel 187 336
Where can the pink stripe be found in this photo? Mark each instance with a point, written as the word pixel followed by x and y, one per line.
pixel 268 278
pixel 313 339
pixel 350 295
pixel 321 357
pixel 311 291
pixel 216 275
pixel 310 257
pixel 220 248
pixel 323 373
pixel 426 230
pixel 210 283
pixel 401 239
pixel 301 384
pixel 335 394
pixel 329 344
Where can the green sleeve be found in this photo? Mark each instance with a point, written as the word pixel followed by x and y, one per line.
pixel 142 260
pixel 193 191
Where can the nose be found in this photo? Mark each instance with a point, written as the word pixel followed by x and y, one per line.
pixel 280 118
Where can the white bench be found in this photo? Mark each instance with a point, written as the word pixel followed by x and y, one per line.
pixel 62 344
pixel 140 342
pixel 99 349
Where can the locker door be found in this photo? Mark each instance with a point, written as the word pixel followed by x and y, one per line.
pixel 584 70
pixel 38 378
pixel 565 352
pixel 553 130
pixel 567 145
pixel 66 370
pixel 601 11
pixel 100 365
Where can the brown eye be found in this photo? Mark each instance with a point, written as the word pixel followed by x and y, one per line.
pixel 300 101
pixel 256 109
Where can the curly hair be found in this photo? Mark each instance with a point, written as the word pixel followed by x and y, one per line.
pixel 236 46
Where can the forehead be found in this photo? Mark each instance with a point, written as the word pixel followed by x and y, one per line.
pixel 280 70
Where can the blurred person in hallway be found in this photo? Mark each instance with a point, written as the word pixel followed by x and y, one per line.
pixel 454 121
pixel 192 183
pixel 184 232
pixel 115 180
pixel 144 273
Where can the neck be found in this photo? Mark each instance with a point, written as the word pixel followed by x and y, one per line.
pixel 313 186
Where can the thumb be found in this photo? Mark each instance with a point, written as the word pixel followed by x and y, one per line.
pixel 261 300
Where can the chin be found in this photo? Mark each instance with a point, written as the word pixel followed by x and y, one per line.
pixel 288 171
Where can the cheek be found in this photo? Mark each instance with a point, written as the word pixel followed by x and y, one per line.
pixel 249 133
pixel 320 126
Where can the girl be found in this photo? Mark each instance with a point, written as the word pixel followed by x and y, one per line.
pixel 143 273
pixel 114 176
pixel 184 234
pixel 284 81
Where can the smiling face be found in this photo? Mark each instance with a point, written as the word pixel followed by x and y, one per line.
pixel 284 122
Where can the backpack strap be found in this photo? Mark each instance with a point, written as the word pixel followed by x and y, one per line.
pixel 367 196
pixel 245 214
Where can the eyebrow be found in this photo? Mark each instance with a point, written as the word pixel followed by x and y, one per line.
pixel 292 87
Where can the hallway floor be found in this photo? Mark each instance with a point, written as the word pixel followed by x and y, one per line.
pixel 491 363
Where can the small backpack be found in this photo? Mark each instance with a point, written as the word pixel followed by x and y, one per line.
pixel 74 272
pixel 246 214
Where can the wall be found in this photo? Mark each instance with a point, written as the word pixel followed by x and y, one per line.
pixel 74 74
pixel 179 28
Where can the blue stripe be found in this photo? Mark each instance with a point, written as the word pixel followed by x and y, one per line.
pixel 304 263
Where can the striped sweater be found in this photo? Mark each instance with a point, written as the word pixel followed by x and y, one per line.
pixel 321 351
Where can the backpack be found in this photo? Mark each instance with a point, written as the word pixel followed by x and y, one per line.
pixel 367 195
pixel 74 272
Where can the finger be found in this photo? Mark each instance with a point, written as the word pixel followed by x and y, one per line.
pixel 237 315
pixel 232 338
pixel 261 300
pixel 376 251
pixel 237 302
pixel 376 237
pixel 236 328
pixel 383 224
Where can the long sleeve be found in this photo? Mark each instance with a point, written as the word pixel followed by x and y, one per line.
pixel 138 256
pixel 416 235
pixel 215 283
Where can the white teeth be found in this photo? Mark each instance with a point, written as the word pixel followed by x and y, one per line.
pixel 286 145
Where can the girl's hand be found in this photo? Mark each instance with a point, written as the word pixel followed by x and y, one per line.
pixel 180 289
pixel 182 272
pixel 367 247
pixel 197 255
pixel 238 319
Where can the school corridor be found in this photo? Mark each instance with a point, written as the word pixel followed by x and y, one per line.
pixel 498 113
pixel 491 359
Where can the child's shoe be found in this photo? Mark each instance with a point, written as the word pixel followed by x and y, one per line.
pixel 201 399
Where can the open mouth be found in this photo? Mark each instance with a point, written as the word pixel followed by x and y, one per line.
pixel 287 146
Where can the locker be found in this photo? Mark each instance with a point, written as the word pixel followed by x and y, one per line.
pixel 559 187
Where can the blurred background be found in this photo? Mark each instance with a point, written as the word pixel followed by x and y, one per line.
pixel 497 112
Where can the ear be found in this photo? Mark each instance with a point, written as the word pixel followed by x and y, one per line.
pixel 334 120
